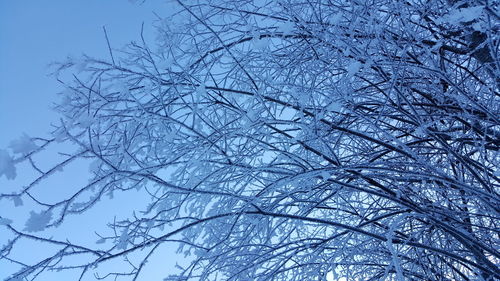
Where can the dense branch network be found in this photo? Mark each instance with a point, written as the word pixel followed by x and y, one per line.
pixel 290 140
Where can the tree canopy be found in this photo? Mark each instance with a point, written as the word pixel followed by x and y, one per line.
pixel 284 140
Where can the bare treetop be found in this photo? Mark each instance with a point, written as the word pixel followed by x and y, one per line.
pixel 284 140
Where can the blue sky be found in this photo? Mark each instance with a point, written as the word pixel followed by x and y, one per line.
pixel 34 34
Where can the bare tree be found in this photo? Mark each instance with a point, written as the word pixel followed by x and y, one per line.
pixel 287 140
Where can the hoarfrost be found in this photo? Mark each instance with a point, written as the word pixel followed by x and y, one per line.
pixel 462 15
pixel 7 167
pixel 353 68
pixel 38 221
pixel 5 221
pixel 23 145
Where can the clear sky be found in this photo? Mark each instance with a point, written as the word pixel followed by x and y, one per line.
pixel 35 33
